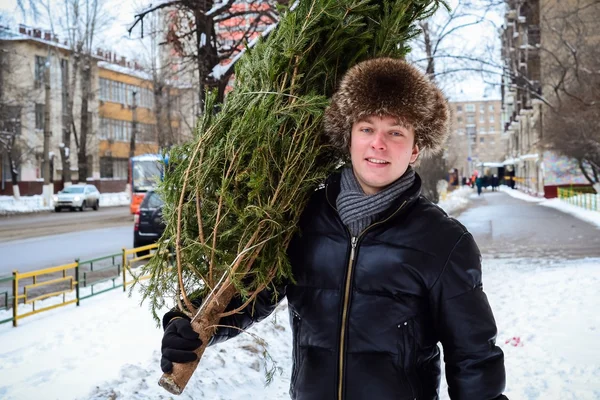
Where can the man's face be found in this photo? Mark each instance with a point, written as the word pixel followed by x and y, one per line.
pixel 381 150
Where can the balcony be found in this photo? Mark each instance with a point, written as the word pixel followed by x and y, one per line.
pixel 533 36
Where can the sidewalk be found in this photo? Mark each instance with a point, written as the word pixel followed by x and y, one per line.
pixel 508 227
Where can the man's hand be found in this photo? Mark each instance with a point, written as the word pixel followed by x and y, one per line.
pixel 178 344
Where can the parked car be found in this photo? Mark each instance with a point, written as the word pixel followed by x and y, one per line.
pixel 148 224
pixel 77 196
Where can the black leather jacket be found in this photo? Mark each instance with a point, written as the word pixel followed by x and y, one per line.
pixel 368 312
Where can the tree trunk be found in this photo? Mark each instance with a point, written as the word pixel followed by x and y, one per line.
pixel 430 71
pixel 176 381
pixel 65 151
pixel 13 168
pixel 47 132
pixel 84 130
pixel 133 133
pixel 200 60
pixel 158 111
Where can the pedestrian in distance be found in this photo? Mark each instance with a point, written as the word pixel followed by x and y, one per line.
pixel 382 275
pixel 479 184
pixel 495 182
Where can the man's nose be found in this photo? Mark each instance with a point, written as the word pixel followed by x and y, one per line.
pixel 378 142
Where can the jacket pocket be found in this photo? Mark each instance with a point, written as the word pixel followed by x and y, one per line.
pixel 296 354
pixel 407 356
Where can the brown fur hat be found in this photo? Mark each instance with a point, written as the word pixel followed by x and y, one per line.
pixel 387 86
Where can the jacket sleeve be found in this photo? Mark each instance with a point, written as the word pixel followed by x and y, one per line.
pixel 466 327
pixel 266 301
pixel 264 304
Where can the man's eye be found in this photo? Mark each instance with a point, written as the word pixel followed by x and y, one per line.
pixel 396 133
pixel 366 130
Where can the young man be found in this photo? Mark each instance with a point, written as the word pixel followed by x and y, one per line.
pixel 382 274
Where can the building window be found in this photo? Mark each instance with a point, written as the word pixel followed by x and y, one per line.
pixel 460 132
pixel 481 108
pixel 493 142
pixel 481 118
pixel 458 109
pixel 491 108
pixel 104 89
pixel 104 129
pixel 39 116
pixel 482 131
pixel 10 119
pixel 40 66
pixel 113 167
pixel 470 119
pixel 459 119
pixel 481 140
pixel 470 108
pixel 491 117
pixel 122 93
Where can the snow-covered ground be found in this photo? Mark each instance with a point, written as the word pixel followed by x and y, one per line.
pixel 29 204
pixel 109 347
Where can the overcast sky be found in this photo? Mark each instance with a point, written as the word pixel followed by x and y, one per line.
pixel 121 15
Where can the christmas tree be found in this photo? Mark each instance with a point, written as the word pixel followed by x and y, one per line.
pixel 234 194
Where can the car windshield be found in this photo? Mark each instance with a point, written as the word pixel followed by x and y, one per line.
pixel 73 189
pixel 146 175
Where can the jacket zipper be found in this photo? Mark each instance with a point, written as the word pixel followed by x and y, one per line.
pixel 344 318
pixel 353 242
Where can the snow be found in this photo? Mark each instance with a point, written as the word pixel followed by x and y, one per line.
pixel 31 204
pixel 109 346
pixel 219 70
pixel 457 201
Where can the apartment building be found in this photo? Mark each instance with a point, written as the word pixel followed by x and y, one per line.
pixel 123 100
pixel 476 134
pixel 528 49
pixel 26 54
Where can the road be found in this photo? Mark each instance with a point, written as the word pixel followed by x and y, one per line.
pixel 35 241
pixel 505 227
pixel 50 223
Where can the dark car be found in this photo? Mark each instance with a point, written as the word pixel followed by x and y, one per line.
pixel 148 222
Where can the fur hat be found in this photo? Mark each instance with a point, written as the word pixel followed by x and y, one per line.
pixel 387 86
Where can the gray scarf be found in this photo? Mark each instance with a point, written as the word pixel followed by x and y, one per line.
pixel 359 210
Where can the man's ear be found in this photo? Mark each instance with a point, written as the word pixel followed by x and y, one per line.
pixel 415 154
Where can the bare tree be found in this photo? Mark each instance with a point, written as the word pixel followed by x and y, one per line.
pixel 14 97
pixel 440 51
pixel 572 82
pixel 85 19
pixel 204 34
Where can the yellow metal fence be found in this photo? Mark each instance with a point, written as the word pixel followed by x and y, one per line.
pixel 62 283
pixel 583 197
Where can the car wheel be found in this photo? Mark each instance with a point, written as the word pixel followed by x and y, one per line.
pixel 140 253
pixel 97 205
pixel 83 205
pixel 72 209
pixel 56 209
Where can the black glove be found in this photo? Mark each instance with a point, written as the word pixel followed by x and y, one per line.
pixel 178 344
